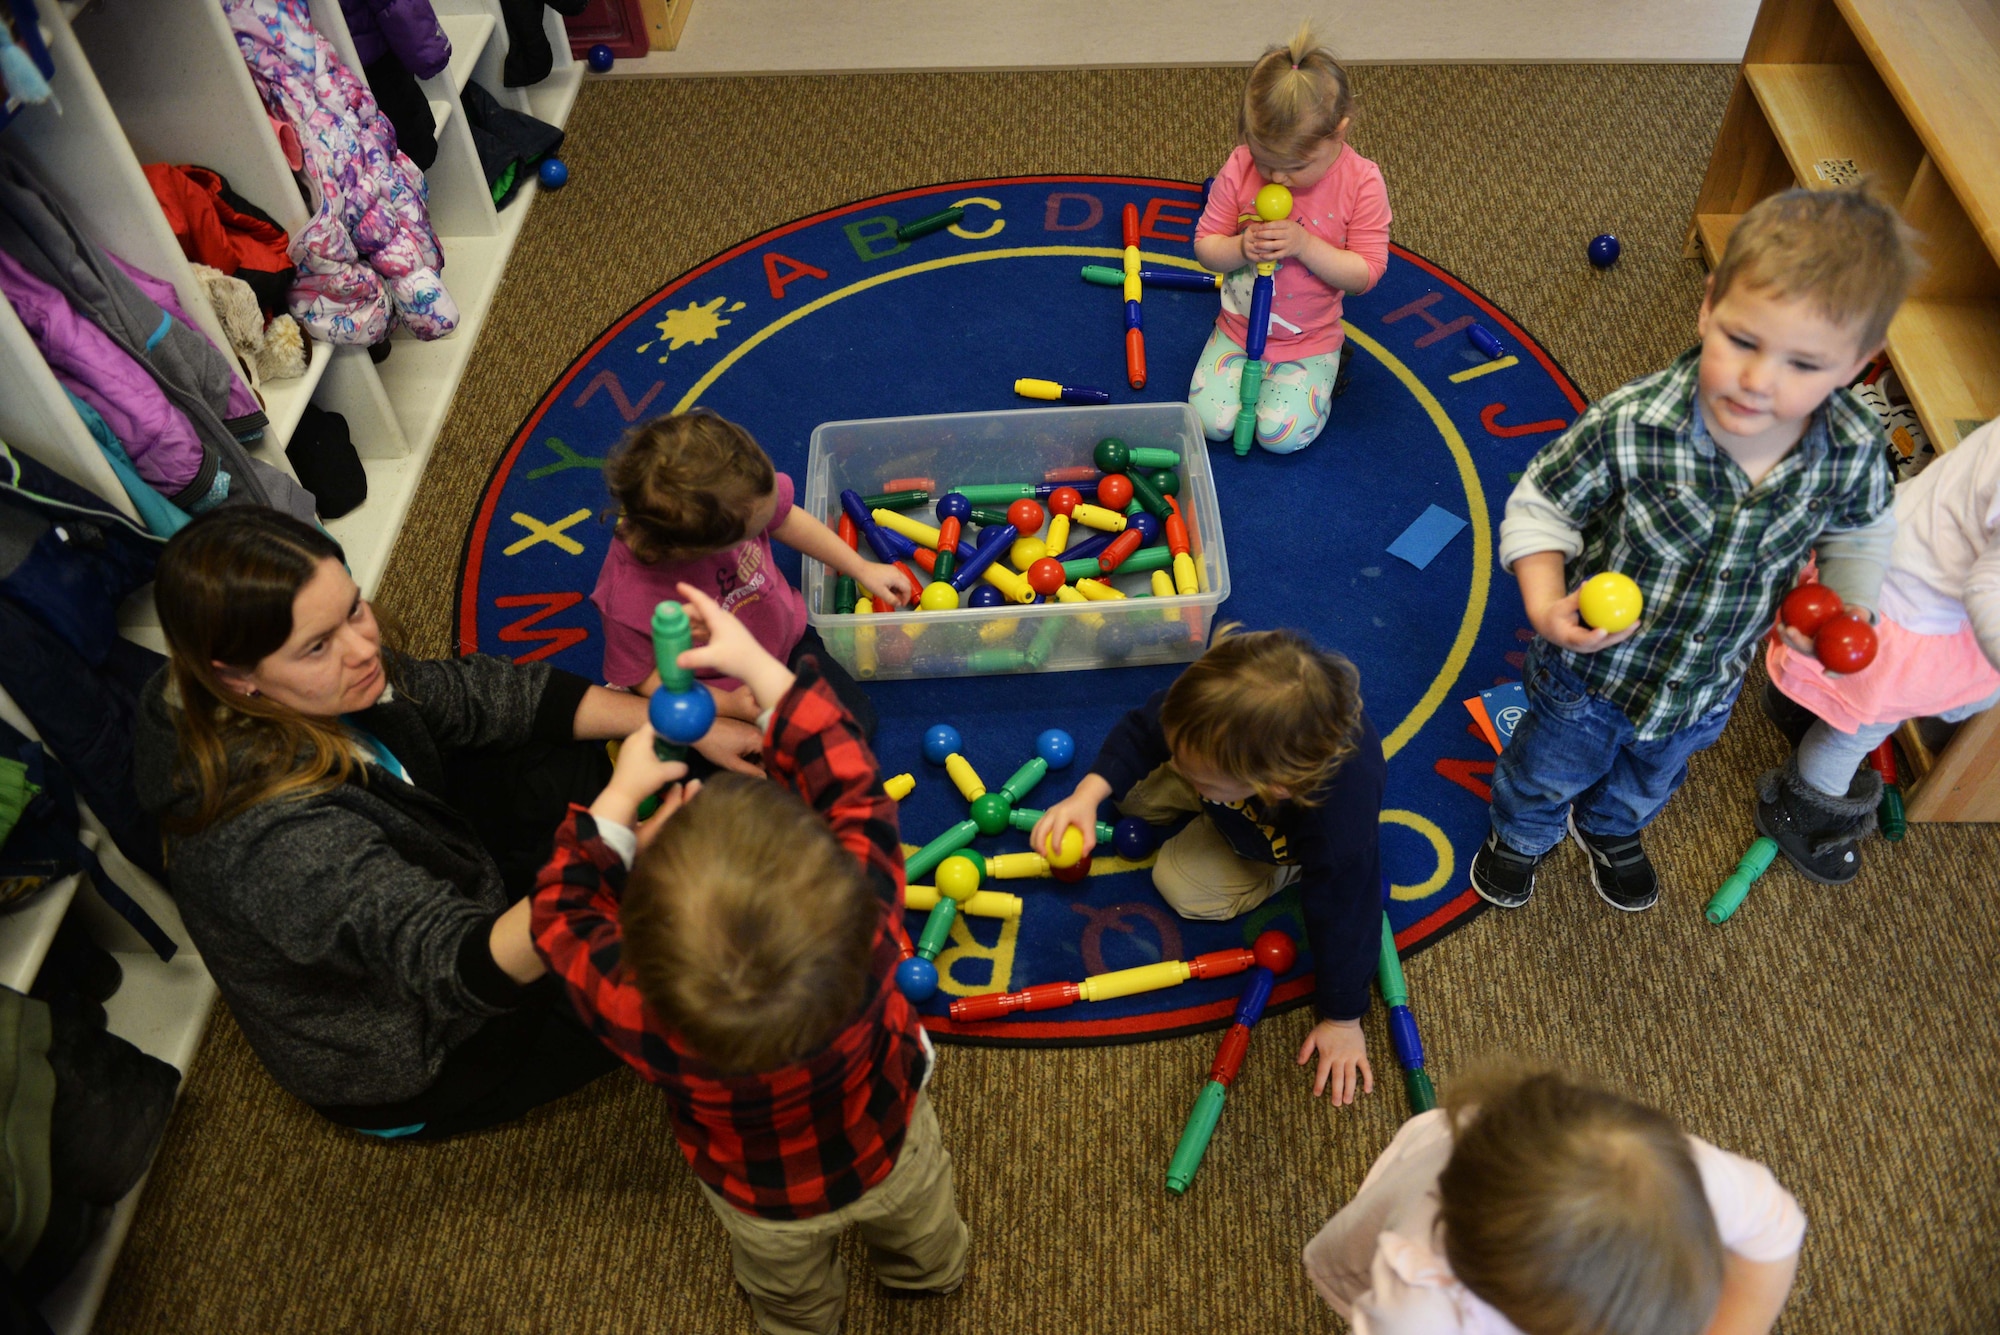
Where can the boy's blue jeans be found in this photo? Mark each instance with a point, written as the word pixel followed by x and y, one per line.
pixel 1573 749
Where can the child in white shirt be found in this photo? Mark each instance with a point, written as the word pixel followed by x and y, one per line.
pixel 1535 1205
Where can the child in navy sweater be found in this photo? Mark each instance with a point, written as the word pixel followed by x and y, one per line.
pixel 1264 740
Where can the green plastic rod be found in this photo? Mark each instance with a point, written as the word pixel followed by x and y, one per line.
pixel 1730 897
pixel 997 493
pixel 1044 642
pixel 1246 414
pixel 1423 1096
pixel 844 593
pixel 896 500
pixel 1025 779
pixel 1895 824
pixel 672 637
pixel 1389 969
pixel 1024 818
pixel 1195 1135
pixel 995 660
pixel 935 222
pixel 925 860
pixel 1148 456
pixel 1146 558
pixel 937 928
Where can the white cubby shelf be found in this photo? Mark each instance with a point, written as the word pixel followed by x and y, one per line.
pixel 142 81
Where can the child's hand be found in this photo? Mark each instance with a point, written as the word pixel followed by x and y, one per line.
pixel 736 704
pixel 732 651
pixel 1273 240
pixel 888 586
pixel 733 744
pixel 1342 1050
pixel 1561 624
pixel 671 801
pixel 637 775
pixel 1078 809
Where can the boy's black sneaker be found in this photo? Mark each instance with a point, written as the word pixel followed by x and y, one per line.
pixel 1502 877
pixel 1620 870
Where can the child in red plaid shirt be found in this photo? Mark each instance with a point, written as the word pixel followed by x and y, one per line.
pixel 745 965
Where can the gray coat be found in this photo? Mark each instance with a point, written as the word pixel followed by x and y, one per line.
pixel 348 930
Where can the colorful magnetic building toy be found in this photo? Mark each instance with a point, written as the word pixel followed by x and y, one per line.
pixel 1274 953
pixel 1403 1034
pixel 1273 202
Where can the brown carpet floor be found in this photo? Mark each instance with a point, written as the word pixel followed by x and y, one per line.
pixel 1845 1037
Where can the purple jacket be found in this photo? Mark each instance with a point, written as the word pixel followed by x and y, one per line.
pixel 161 441
pixel 407 27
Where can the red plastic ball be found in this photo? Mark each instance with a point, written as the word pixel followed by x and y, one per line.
pixel 1046 576
pixel 1114 491
pixel 1074 873
pixel 1026 517
pixel 1065 499
pixel 1845 644
pixel 1275 951
pixel 896 651
pixel 1809 607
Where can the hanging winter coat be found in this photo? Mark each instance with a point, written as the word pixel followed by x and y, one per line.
pixel 219 228
pixel 407 28
pixel 367 256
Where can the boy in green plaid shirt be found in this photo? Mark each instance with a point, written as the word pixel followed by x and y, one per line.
pixel 1709 483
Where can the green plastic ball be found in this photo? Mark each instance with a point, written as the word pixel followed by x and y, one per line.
pixel 990 813
pixel 1111 455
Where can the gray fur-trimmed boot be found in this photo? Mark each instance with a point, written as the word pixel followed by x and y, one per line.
pixel 1820 834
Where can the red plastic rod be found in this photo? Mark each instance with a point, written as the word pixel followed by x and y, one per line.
pixel 993 1005
pixel 1121 547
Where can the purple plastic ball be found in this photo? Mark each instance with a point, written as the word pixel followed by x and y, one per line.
pixel 1604 251
pixel 684 717
pixel 953 505
pixel 1133 839
pixel 916 978
pixel 985 595
pixel 1056 747
pixel 940 740
pixel 1146 525
pixel 553 173
pixel 599 59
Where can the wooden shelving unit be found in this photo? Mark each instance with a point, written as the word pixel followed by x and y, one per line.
pixel 162 81
pixel 1909 96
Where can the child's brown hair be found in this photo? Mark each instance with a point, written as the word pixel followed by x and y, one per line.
pixel 1846 252
pixel 1575 1211
pixel 1266 708
pixel 749 929
pixel 686 485
pixel 1296 98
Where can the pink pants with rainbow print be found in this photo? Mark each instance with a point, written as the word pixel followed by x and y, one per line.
pixel 1291 410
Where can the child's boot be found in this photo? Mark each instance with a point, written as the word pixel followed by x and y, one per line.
pixel 1818 832
pixel 1787 715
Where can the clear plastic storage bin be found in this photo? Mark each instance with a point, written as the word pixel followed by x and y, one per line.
pixel 1031 445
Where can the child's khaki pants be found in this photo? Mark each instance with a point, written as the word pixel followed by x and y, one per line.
pixel 796 1281
pixel 1198 873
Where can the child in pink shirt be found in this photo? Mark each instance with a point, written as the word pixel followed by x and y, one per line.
pixel 1534 1203
pixel 1294 124
pixel 698 503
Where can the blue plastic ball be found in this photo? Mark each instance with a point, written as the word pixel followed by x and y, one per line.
pixel 916 978
pixel 553 173
pixel 941 740
pixel 1133 839
pixel 953 505
pixel 600 58
pixel 683 718
pixel 1056 747
pixel 1145 524
pixel 985 595
pixel 1604 251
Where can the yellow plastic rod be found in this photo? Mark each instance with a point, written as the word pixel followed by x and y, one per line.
pixel 1129 982
pixel 1016 866
pixel 1098 591
pixel 962 774
pixel 908 527
pixel 983 904
pixel 900 786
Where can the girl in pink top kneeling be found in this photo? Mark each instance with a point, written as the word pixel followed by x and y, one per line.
pixel 1294 119
pixel 698 503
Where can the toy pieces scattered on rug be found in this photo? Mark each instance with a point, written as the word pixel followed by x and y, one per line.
pixel 1275 954
pixel 1910 448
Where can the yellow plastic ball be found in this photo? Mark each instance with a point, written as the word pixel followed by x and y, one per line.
pixel 1026 551
pixel 1274 202
pixel 1071 851
pixel 938 596
pixel 958 878
pixel 1609 602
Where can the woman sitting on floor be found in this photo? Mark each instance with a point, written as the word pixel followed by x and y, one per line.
pixel 348 827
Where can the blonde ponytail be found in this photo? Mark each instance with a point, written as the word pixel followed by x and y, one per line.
pixel 1296 98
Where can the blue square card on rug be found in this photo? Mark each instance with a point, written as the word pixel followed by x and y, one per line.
pixel 1504 706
